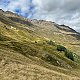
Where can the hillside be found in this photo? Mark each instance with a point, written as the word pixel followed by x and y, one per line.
pixel 37 49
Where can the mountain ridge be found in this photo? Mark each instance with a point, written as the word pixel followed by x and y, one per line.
pixel 35 20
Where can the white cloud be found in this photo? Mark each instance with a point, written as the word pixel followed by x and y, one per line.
pixel 23 5
pixel 61 11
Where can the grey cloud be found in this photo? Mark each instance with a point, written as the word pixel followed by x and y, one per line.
pixel 61 11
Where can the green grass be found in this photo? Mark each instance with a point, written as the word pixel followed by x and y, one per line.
pixel 38 48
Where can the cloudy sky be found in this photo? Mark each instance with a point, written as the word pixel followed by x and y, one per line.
pixel 60 11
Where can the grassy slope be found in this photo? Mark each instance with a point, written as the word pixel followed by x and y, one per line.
pixel 70 39
pixel 21 45
pixel 64 36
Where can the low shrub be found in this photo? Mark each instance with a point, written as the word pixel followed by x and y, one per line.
pixel 69 55
pixel 50 42
pixel 61 48
pixel 35 41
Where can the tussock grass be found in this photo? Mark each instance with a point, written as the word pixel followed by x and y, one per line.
pixel 15 39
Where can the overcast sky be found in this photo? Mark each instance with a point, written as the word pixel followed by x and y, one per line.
pixel 60 11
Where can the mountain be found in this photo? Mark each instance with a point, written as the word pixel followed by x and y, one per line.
pixel 37 49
